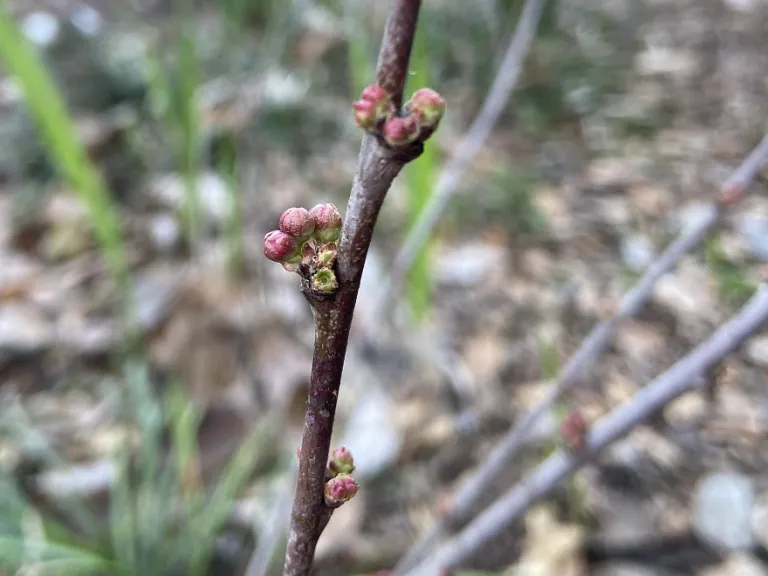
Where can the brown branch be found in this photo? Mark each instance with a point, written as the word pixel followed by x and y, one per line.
pixel 395 53
pixel 632 302
pixel 378 165
pixel 685 375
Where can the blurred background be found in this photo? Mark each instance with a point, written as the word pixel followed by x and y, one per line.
pixel 154 365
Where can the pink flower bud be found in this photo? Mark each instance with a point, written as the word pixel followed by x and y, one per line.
pixel 730 193
pixel 372 108
pixel 324 280
pixel 365 114
pixel 400 130
pixel 428 105
pixel 297 222
pixel 574 430
pixel 327 222
pixel 281 247
pixel 375 94
pixel 340 489
pixel 341 462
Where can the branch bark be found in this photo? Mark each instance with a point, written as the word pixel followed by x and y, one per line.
pixel 684 376
pixel 378 165
pixel 632 302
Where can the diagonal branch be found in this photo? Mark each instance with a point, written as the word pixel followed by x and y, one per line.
pixel 470 145
pixel 684 376
pixel 378 165
pixel 470 493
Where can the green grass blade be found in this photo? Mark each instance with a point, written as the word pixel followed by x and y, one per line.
pixel 122 515
pixel 58 131
pixel 189 129
pixel 64 559
pixel 215 513
pixel 419 177
pixel 227 166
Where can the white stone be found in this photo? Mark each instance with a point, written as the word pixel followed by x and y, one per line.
pixel 42 28
pixel 723 510
pixel 24 329
pixel 637 252
pixel 757 350
pixel 87 20
pixel 165 231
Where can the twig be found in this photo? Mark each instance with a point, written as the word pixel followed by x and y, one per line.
pixel 470 145
pixel 469 494
pixel 685 375
pixel 378 165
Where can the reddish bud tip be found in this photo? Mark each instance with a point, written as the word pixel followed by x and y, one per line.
pixel 730 193
pixel 375 94
pixel 365 114
pixel 341 462
pixel 297 222
pixel 340 489
pixel 281 247
pixel 325 281
pixel 400 130
pixel 574 430
pixel 372 108
pixel 428 105
pixel 298 452
pixel 327 221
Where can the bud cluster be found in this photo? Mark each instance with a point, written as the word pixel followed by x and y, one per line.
pixel 340 486
pixel 375 113
pixel 307 243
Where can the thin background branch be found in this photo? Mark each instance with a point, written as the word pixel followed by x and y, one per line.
pixel 505 451
pixel 476 486
pixel 685 375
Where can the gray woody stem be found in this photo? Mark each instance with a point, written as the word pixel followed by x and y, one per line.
pixel 377 168
pixel 469 493
pixel 684 376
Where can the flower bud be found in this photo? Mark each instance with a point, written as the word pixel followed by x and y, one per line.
pixel 327 221
pixel 730 193
pixel 341 461
pixel 375 94
pixel 297 222
pixel 325 281
pixel 372 108
pixel 428 106
pixel 400 130
pixel 574 430
pixel 281 247
pixel 340 489
pixel 365 114
pixel 326 255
